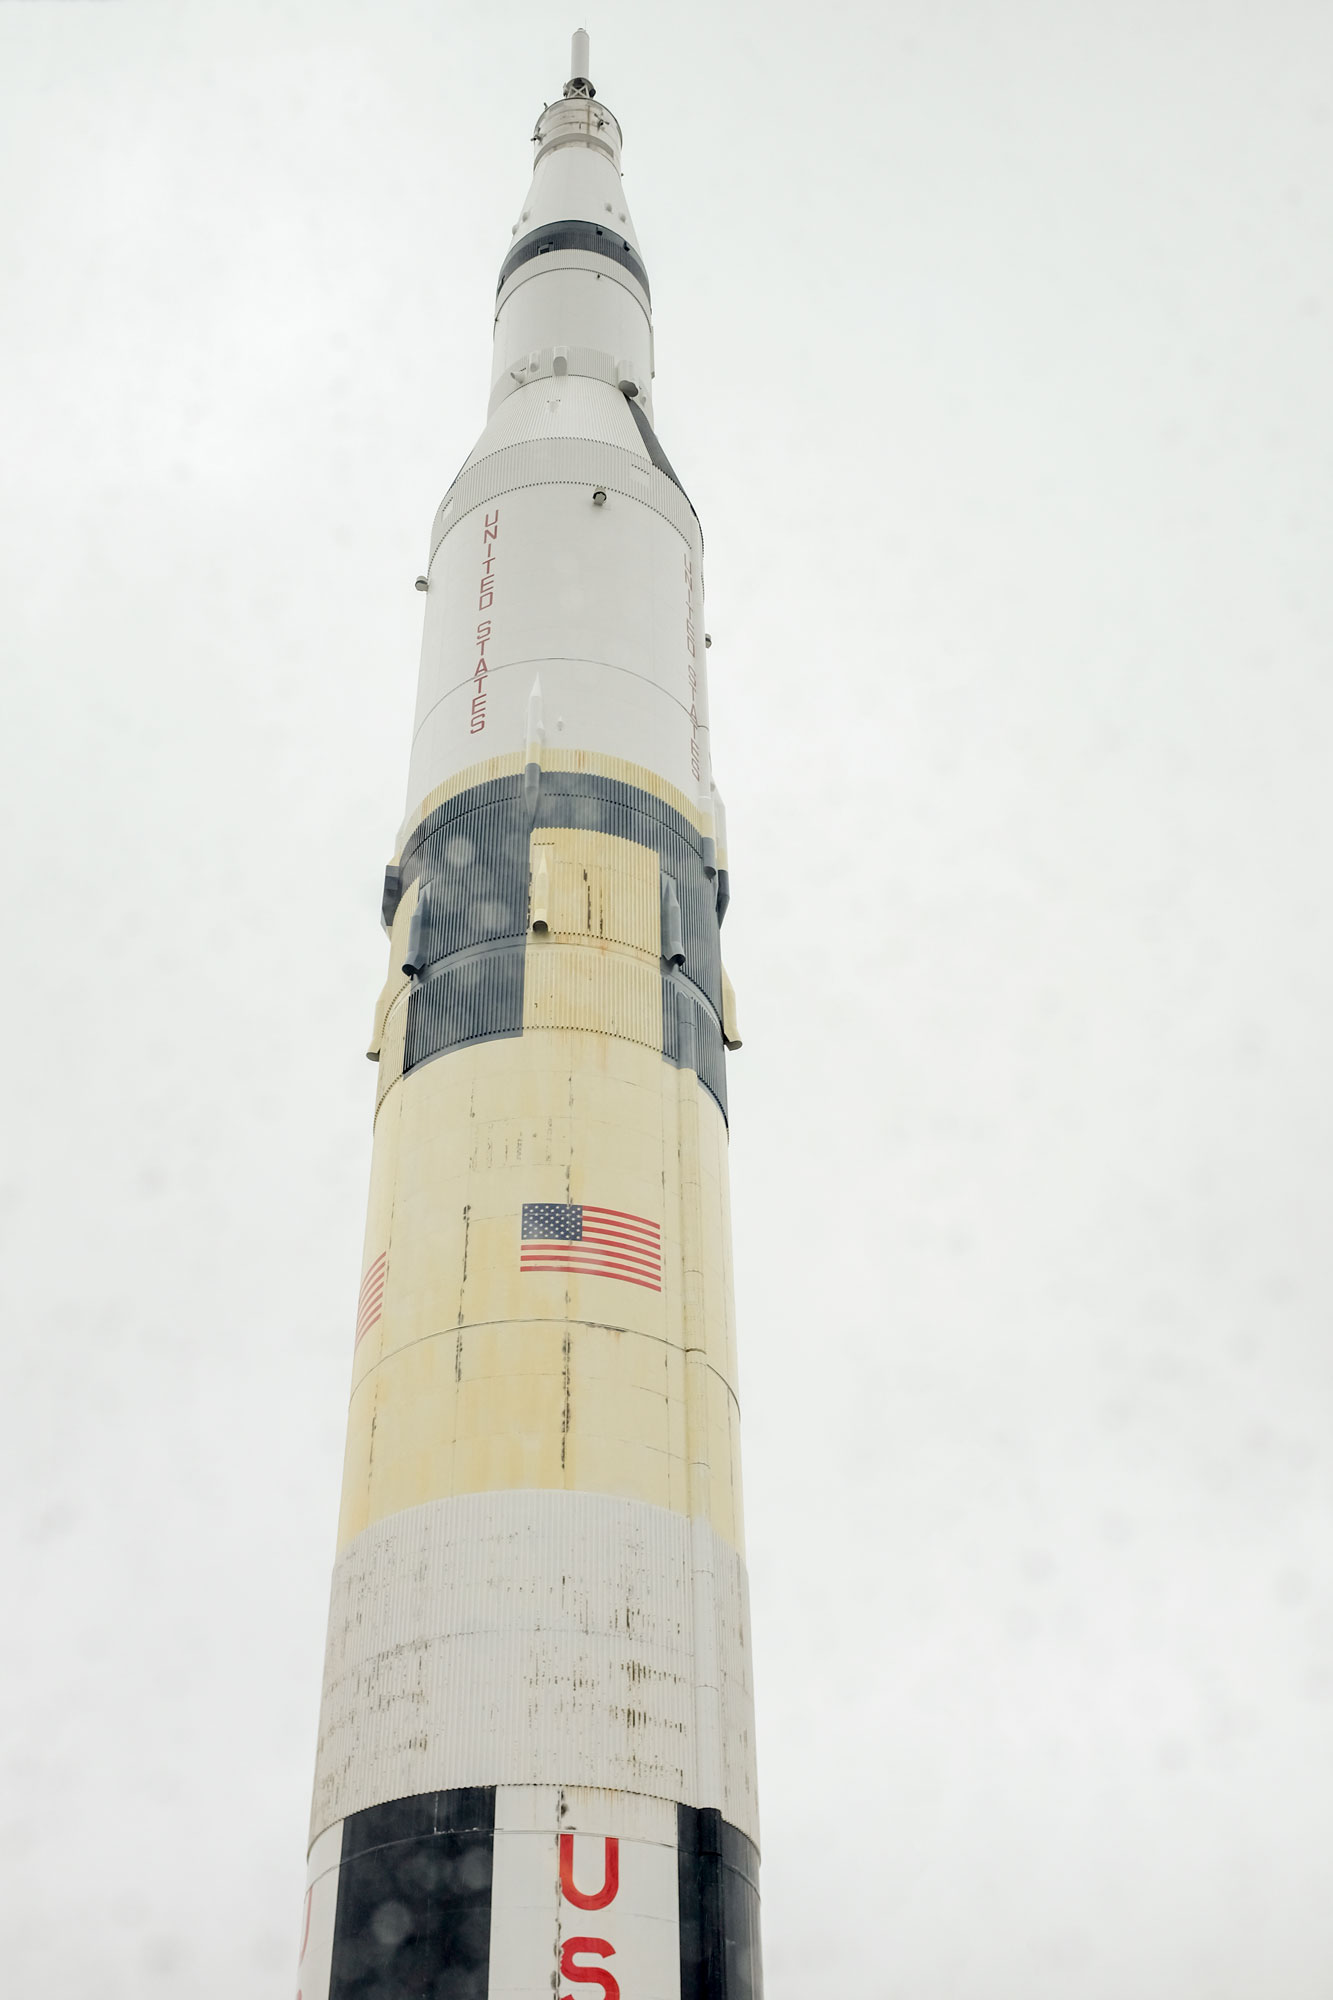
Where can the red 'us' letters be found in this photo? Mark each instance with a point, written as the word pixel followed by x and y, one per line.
pixel 574 1948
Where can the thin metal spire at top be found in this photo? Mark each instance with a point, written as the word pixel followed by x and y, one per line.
pixel 579 59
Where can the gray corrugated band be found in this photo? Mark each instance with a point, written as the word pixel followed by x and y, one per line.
pixel 692 1036
pixel 589 237
pixel 476 996
pixel 474 849
pixel 687 1054
pixel 418 933
pixel 709 856
pixel 532 787
pixel 477 865
pixel 391 895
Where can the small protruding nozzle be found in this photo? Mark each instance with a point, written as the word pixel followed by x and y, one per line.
pixel 532 762
pixel 578 85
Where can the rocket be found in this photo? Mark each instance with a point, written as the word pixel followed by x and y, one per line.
pixel 535 1772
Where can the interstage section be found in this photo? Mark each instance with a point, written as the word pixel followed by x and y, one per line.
pixel 464 911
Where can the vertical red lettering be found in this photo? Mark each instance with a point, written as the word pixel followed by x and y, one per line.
pixel 589 1975
pixel 610 1875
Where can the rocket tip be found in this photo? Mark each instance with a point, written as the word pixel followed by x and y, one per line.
pixel 579 61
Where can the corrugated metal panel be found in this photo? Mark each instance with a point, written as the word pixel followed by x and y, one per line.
pixel 462 781
pixel 731 1608
pixel 584 1809
pixel 601 888
pixel 477 865
pixel 706 1055
pixel 593 801
pixel 487 793
pixel 682 860
pixel 592 763
pixel 396 984
pixel 474 849
pixel 470 999
pixel 526 1639
pixel 603 989
pixel 566 779
pixel 566 461
pixel 556 761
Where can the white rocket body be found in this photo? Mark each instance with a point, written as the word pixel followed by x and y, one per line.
pixel 536 1762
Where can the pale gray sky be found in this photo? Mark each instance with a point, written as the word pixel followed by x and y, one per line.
pixel 993 347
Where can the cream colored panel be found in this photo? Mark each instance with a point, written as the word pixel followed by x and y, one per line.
pixel 737 1535
pixel 367 1337
pixel 354 1511
pixel 723 1459
pixel 558 1403
pixel 397 981
pixel 602 889
pixel 445 1382
pixel 715 1285
pixel 731 1033
pixel 534 1639
pixel 595 988
pixel 392 1048
pixel 554 758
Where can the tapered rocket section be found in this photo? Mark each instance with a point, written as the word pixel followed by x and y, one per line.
pixel 536 1748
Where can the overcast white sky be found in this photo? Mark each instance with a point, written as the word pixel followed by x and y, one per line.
pixel 993 346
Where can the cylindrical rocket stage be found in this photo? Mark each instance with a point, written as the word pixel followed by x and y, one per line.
pixel 536 1768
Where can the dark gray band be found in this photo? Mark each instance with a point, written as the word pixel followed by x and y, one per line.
pixel 471 856
pixel 717 1869
pixel 414 1898
pixel 586 236
pixel 415 1891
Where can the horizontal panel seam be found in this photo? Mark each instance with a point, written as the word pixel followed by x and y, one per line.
pixel 562 660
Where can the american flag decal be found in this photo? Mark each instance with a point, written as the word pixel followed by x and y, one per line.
pixel 598 1242
pixel 372 1297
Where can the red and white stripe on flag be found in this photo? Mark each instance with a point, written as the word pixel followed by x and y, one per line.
pixel 596 1242
pixel 371 1300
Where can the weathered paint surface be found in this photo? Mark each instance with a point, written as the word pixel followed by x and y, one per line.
pixel 538 1637
pixel 536 1766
